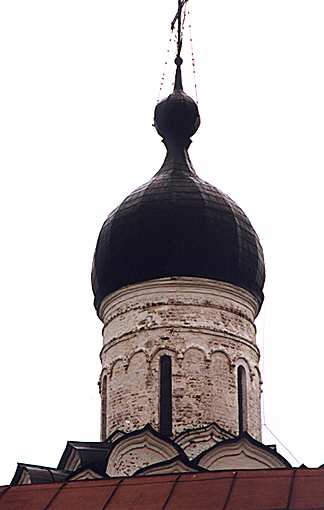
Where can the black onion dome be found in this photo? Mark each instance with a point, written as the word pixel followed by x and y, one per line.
pixel 177 224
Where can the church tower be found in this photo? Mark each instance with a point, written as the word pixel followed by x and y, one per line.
pixel 178 276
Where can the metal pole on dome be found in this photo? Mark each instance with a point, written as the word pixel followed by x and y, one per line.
pixel 178 61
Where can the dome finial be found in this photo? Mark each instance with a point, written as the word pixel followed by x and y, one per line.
pixel 176 118
pixel 178 77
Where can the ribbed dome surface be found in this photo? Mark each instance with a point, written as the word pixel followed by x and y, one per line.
pixel 177 225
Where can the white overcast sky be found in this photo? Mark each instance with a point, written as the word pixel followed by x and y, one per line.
pixel 79 81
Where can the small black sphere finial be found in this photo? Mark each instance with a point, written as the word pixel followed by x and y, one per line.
pixel 176 118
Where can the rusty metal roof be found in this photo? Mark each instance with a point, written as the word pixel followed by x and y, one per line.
pixel 271 489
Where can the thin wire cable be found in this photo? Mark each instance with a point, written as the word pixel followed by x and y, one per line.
pixel 282 444
pixel 263 396
pixel 193 59
pixel 166 62
pixel 263 360
pixel 184 17
pixel 175 43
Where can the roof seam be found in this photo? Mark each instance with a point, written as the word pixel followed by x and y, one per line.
pixel 5 491
pixel 230 490
pixel 170 493
pixel 291 488
pixel 55 496
pixel 112 494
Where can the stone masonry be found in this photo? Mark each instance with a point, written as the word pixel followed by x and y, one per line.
pixel 206 327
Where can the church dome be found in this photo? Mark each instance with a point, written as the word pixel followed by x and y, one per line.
pixel 177 224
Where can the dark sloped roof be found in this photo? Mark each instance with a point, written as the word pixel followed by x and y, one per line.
pixel 92 454
pixel 39 474
pixel 274 489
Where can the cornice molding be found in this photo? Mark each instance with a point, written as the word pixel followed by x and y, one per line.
pixel 242 452
pixel 147 443
pixel 201 286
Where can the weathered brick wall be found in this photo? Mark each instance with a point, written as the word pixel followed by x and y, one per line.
pixel 206 327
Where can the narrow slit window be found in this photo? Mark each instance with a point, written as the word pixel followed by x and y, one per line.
pixel 165 396
pixel 104 409
pixel 242 399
